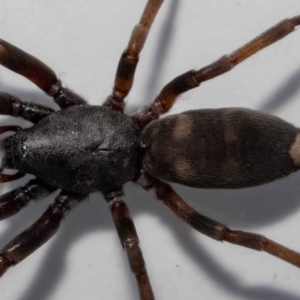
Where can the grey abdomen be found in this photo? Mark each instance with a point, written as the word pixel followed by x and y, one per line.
pixel 220 148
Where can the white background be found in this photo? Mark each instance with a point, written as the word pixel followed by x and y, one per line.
pixel 82 42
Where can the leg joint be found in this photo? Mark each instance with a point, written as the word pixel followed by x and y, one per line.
pixel 246 239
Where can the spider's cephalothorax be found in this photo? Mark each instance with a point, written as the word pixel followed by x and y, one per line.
pixel 81 149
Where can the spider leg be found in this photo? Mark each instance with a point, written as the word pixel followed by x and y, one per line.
pixel 8 177
pixel 39 73
pixel 38 233
pixel 12 202
pixel 191 79
pixel 130 57
pixel 11 105
pixel 212 228
pixel 130 242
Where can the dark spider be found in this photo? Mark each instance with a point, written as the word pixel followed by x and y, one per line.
pixel 258 148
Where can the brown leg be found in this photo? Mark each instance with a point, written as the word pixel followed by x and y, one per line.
pixel 213 228
pixel 38 233
pixel 130 57
pixel 130 242
pixel 12 202
pixel 191 79
pixel 11 105
pixel 36 71
pixel 7 177
pixel 9 128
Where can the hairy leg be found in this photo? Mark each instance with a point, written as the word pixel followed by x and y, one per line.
pixel 130 57
pixel 192 79
pixel 39 73
pixel 130 242
pixel 212 228
pixel 12 106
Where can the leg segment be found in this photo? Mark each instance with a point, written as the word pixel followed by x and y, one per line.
pixel 130 57
pixel 12 202
pixel 36 71
pixel 213 228
pixel 130 242
pixel 11 105
pixel 38 233
pixel 9 128
pixel 191 79
pixel 8 177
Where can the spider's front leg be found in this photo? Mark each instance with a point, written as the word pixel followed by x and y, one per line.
pixel 39 73
pixel 130 242
pixel 38 233
pixel 130 57
pixel 12 106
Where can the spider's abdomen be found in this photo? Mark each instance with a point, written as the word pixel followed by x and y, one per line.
pixel 221 148
pixel 79 149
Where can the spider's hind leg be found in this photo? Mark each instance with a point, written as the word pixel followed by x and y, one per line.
pixel 39 73
pixel 130 57
pixel 193 78
pixel 212 228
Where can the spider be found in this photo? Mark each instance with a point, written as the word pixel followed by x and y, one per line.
pixel 112 196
